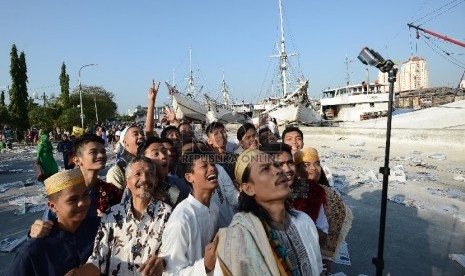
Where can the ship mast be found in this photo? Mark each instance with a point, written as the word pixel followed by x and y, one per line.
pixel 224 89
pixel 283 55
pixel 347 62
pixel 191 87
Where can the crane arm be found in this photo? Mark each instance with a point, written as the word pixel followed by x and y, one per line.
pixel 451 40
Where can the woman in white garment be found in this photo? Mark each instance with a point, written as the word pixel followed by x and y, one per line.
pixel 266 237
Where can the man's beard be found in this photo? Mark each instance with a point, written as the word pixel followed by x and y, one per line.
pixel 144 195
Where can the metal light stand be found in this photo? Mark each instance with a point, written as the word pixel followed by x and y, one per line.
pixel 379 261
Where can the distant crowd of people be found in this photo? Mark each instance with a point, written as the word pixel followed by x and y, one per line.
pixel 175 203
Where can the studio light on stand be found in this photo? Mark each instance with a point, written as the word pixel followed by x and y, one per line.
pixel 370 57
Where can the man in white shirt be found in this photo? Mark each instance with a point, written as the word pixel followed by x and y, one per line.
pixel 187 240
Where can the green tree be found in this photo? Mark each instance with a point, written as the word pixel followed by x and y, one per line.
pixel 64 84
pixel 18 93
pixel 91 95
pixel 126 118
pixel 4 116
pixel 2 99
pixel 68 118
pixel 43 117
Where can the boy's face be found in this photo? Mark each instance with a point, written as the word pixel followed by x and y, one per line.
pixel 158 154
pixel 249 140
pixel 294 140
pixel 173 135
pixel 72 204
pixel 218 138
pixel 204 175
pixel 92 156
pixel 313 169
pixel 171 153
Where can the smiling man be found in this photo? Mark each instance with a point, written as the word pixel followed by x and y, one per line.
pixel 129 237
pixel 187 241
pixel 132 136
pixel 217 141
pixel 293 137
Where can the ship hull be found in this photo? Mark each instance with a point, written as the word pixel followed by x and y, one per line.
pixel 294 114
pixel 186 107
pixel 352 108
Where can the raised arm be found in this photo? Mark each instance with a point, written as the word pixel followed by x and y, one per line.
pixel 152 95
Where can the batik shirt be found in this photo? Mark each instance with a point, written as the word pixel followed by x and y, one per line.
pixel 289 238
pixel 123 243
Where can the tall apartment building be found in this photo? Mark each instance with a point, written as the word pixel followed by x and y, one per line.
pixel 414 74
pixel 383 78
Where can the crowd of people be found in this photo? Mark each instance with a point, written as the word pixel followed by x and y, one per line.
pixel 178 204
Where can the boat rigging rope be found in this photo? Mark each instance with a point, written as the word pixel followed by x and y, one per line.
pixel 447 56
pixel 453 2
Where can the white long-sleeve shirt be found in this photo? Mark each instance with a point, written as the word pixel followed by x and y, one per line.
pixel 190 228
pixel 225 197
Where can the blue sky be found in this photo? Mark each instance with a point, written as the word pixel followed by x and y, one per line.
pixel 134 42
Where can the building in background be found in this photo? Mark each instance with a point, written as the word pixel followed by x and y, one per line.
pixel 384 81
pixel 414 74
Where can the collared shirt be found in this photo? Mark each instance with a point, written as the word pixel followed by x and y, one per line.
pixel 124 243
pixel 190 228
pixel 57 253
pixel 225 197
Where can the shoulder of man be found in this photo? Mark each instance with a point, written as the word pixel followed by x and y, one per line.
pixel 115 176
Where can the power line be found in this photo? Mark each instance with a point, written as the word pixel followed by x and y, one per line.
pixel 439 9
pixel 447 56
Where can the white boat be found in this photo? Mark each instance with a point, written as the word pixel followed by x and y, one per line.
pixel 295 107
pixel 184 105
pixel 354 102
pixel 225 112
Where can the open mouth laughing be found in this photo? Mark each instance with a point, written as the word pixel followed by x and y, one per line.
pixel 212 177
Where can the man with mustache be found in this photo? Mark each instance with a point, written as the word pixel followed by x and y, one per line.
pixel 282 156
pixel 266 236
pixel 129 236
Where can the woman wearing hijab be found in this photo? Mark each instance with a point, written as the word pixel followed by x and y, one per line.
pixel 45 156
pixel 266 237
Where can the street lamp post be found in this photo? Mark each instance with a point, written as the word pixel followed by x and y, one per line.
pixel 44 97
pixel 80 92
pixel 96 112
